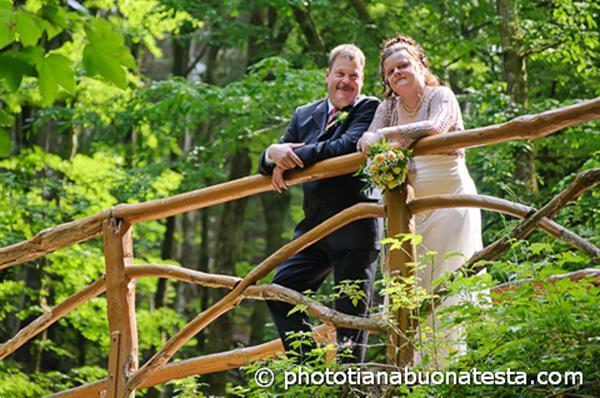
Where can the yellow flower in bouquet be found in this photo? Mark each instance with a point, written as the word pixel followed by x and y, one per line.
pixel 386 166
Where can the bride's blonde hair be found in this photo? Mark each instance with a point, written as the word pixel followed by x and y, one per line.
pixel 402 42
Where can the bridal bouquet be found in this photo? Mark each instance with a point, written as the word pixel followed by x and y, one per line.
pixel 386 166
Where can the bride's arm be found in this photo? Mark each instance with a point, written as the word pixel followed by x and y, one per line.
pixel 372 134
pixel 443 115
pixel 379 120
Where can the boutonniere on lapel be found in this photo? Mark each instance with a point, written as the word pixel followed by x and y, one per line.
pixel 339 118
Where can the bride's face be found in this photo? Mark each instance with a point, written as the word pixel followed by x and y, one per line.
pixel 403 73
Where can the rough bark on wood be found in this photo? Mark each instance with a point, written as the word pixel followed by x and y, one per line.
pixel 120 291
pixel 262 292
pixel 52 239
pixel 582 182
pixel 521 128
pixel 591 273
pixel 400 221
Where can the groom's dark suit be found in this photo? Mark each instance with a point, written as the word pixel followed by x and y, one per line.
pixel 350 251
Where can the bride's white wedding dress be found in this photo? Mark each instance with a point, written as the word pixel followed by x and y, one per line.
pixel 443 230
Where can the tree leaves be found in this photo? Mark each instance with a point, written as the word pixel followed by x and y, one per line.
pixel 52 71
pixel 6 31
pixel 28 28
pixel 55 70
pixel 106 54
pixel 13 69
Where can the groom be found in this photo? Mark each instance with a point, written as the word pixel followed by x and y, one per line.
pixel 324 129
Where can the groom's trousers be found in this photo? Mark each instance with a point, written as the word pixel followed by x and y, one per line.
pixel 306 271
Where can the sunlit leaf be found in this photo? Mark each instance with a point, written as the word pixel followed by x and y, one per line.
pixel 28 29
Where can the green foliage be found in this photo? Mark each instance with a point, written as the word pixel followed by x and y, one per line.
pixel 315 361
pixel 9 294
pixel 106 54
pixel 188 387
pixel 92 118
pixel 533 327
pixel 14 383
pixel 154 325
pixel 96 44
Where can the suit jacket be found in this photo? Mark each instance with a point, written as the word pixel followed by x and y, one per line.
pixel 325 198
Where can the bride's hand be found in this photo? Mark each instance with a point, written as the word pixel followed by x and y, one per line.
pixel 404 141
pixel 367 139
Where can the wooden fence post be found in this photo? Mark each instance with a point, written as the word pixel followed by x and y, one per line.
pixel 399 221
pixel 120 295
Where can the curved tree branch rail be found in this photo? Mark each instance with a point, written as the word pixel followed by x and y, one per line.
pixel 116 223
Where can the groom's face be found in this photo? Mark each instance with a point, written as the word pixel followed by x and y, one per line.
pixel 344 81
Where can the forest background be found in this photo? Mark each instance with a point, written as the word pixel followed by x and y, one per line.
pixel 106 102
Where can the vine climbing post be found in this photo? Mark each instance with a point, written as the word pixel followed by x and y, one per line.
pixel 399 221
pixel 120 292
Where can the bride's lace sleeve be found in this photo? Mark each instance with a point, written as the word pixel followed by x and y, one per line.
pixel 382 116
pixel 443 114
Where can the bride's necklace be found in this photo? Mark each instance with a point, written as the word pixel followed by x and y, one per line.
pixel 411 112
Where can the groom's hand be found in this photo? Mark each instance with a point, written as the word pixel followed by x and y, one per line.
pixel 278 180
pixel 283 155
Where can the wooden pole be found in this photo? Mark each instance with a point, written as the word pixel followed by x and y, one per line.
pixel 120 292
pixel 400 221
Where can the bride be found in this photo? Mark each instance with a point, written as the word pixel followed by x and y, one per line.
pixel 417 106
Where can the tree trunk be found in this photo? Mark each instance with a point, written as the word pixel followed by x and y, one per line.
pixel 181 51
pixel 374 30
pixel 275 208
pixel 514 69
pixel 314 42
pixel 166 252
pixel 203 266
pixel 261 46
pixel 226 254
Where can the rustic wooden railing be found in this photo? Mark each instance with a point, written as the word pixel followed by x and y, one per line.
pixel 124 376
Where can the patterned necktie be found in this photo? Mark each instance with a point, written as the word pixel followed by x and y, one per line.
pixel 331 118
